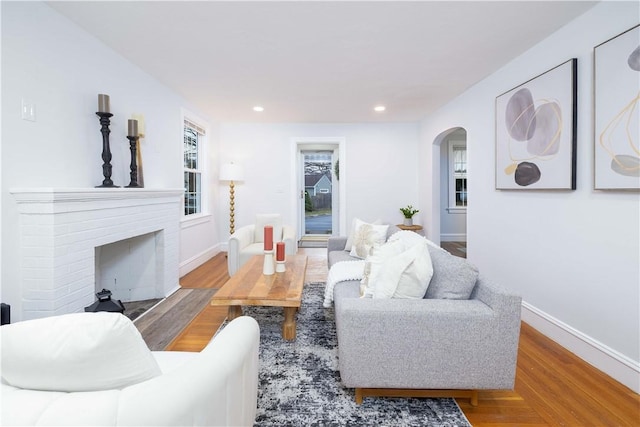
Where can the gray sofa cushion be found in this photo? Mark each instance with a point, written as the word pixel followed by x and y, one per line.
pixel 453 277
pixel 347 289
pixel 336 256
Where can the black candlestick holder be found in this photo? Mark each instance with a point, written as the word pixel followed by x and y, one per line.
pixel 133 146
pixel 106 150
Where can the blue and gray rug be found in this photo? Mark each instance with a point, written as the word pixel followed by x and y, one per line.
pixel 299 381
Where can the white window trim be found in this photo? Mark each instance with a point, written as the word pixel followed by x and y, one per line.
pixel 457 209
pixel 453 209
pixel 203 146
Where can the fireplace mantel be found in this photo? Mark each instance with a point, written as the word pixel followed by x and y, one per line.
pixel 60 229
pixel 53 200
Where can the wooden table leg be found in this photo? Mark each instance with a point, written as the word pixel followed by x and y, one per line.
pixel 234 311
pixel 289 324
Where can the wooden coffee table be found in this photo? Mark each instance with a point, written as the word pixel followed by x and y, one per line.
pixel 250 287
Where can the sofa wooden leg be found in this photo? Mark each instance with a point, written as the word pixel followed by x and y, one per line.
pixel 358 396
pixel 474 397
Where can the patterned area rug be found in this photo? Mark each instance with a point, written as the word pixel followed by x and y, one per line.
pixel 299 381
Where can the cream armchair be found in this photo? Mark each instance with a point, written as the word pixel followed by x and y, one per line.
pixel 248 241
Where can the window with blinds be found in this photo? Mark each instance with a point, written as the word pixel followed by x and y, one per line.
pixel 193 168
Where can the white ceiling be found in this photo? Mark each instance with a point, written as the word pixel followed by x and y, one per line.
pixel 320 61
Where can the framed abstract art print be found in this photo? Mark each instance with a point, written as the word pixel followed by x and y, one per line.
pixel 536 132
pixel 617 112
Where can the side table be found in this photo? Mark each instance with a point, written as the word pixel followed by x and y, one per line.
pixel 415 228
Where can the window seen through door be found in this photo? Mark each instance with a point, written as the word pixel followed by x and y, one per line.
pixel 458 169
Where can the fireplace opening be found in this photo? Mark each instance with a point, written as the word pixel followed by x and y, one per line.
pixel 129 268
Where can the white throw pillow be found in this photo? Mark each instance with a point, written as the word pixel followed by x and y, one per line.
pixel 75 352
pixel 352 231
pixel 375 262
pixel 404 275
pixel 383 284
pixel 415 279
pixel 274 220
pixel 410 238
pixel 367 236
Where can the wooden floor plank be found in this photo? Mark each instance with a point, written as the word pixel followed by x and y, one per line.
pixel 553 387
pixel 200 331
pixel 149 319
pixel 571 387
pixel 211 274
pixel 170 319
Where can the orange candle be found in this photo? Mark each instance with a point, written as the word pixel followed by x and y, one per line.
pixel 280 251
pixel 268 238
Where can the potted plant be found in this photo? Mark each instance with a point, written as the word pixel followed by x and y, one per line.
pixel 408 213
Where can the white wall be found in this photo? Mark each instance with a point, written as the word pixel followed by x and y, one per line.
pixel 62 69
pixel 572 255
pixel 380 169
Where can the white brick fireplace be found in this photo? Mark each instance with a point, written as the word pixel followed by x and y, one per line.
pixel 62 231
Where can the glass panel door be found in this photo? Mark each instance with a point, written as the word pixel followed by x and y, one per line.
pixel 318 188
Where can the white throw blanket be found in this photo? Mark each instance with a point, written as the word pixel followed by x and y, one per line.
pixel 339 272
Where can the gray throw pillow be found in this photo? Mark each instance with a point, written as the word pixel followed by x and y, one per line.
pixel 453 277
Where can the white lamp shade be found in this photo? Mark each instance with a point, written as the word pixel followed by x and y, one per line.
pixel 231 172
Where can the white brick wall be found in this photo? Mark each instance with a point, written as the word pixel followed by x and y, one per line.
pixel 60 229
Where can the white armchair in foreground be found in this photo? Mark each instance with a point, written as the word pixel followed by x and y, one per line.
pixel 248 240
pixel 94 369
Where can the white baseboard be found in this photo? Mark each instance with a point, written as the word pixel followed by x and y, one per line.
pixel 197 260
pixel 616 365
pixel 453 237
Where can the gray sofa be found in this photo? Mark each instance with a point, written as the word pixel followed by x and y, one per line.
pixel 425 347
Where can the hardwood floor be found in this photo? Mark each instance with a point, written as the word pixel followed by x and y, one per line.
pixel 161 325
pixel 553 386
pixel 455 248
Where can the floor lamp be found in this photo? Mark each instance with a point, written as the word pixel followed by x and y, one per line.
pixel 231 172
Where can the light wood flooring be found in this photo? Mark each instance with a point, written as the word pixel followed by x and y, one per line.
pixel 553 386
pixel 455 248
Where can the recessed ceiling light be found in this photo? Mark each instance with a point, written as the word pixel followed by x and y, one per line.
pixel 258 108
pixel 379 108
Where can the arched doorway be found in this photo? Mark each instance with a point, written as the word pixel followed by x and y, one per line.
pixel 450 184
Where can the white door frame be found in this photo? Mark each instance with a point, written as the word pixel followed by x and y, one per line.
pixel 299 144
